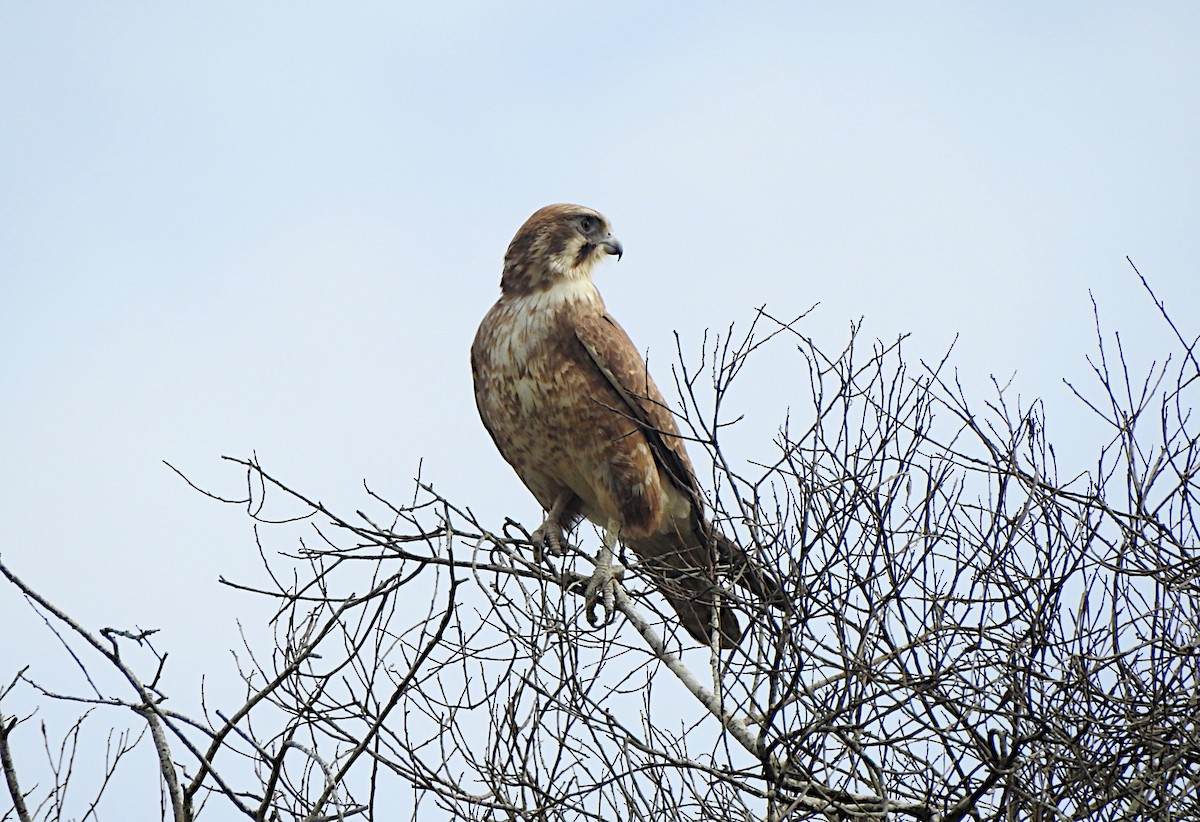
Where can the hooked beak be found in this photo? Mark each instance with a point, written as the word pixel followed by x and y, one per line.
pixel 612 245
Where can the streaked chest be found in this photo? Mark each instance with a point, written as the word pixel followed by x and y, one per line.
pixel 526 355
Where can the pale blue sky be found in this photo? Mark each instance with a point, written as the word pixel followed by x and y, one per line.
pixel 235 226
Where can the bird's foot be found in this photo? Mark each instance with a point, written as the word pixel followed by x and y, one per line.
pixel 549 535
pixel 602 590
pixel 549 538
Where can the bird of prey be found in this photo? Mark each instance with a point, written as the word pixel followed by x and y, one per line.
pixel 571 406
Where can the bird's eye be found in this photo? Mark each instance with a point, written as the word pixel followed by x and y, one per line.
pixel 587 224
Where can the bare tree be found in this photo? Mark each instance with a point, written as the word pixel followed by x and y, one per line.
pixel 974 634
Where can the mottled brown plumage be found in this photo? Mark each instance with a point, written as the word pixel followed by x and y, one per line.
pixel 571 406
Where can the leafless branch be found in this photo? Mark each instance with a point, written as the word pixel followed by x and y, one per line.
pixel 973 634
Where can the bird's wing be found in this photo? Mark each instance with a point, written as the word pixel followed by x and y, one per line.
pixel 615 356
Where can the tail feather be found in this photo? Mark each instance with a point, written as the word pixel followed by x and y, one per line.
pixel 749 574
pixel 696 617
pixel 686 577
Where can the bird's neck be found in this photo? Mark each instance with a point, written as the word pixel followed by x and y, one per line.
pixel 576 291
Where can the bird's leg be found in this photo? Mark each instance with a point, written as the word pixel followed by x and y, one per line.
pixel 602 586
pixel 549 534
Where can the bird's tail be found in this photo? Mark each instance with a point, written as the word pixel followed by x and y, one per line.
pixel 687 575
pixel 749 573
pixel 696 615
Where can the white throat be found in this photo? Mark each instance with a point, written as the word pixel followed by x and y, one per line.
pixel 566 291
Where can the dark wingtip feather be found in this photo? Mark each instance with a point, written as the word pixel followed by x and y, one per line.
pixel 749 574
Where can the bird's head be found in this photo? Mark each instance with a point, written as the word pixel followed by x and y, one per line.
pixel 559 242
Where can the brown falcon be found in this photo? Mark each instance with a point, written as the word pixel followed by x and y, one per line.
pixel 571 406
